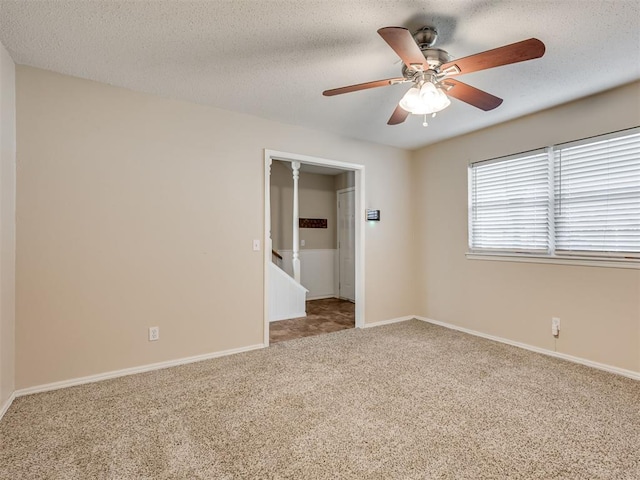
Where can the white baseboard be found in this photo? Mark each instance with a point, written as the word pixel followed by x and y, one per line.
pixel 389 322
pixel 7 404
pixel 198 358
pixel 321 297
pixel 544 351
pixel 131 371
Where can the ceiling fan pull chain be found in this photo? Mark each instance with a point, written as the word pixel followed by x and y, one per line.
pixel 425 124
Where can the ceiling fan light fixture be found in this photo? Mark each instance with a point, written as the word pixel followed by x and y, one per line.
pixel 434 97
pixel 424 99
pixel 430 70
pixel 411 100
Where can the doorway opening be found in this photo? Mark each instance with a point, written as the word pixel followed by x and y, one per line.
pixel 333 300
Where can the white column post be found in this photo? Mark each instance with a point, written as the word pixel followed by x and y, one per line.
pixel 295 166
pixel 268 246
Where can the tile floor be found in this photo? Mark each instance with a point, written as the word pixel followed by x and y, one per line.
pixel 323 316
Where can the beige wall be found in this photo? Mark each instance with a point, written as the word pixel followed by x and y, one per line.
pixel 599 307
pixel 7 224
pixel 134 210
pixel 127 218
pixel 317 199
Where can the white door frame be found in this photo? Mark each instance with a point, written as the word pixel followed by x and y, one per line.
pixel 269 157
pixel 338 192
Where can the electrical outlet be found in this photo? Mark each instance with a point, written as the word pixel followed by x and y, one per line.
pixel 154 334
pixel 555 326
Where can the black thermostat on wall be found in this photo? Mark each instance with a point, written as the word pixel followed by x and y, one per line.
pixel 373 215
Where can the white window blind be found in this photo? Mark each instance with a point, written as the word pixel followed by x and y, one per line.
pixel 576 199
pixel 597 196
pixel 509 204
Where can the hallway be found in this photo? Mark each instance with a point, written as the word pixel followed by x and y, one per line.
pixel 323 316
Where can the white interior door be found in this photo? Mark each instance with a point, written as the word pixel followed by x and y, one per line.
pixel 346 245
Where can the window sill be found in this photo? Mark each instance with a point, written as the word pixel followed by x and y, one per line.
pixel 577 261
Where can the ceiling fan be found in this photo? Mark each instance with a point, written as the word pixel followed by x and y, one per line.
pixel 430 70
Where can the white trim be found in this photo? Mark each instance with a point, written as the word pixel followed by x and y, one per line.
pixel 7 404
pixel 505 158
pixel 600 138
pixel 268 247
pixel 132 371
pixel 359 183
pixel 470 200
pixel 323 162
pixel 544 351
pixel 269 156
pixel 532 258
pixel 198 358
pixel 321 297
pixel 388 322
pixel 582 361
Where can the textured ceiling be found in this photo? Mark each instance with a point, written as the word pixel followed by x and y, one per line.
pixel 274 58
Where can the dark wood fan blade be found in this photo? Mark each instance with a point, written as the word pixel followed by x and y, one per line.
pixel 402 42
pixel 362 86
pixel 398 116
pixel 514 53
pixel 471 95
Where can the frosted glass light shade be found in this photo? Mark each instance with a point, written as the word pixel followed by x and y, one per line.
pixel 424 100
pixel 434 98
pixel 411 100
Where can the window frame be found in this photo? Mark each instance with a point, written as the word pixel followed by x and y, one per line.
pixel 585 258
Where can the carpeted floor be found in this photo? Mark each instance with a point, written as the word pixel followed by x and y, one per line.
pixel 403 401
pixel 323 316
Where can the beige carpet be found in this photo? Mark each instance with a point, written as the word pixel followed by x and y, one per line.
pixel 404 401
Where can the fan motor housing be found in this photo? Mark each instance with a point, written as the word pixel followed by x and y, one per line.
pixel 425 37
pixel 434 56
